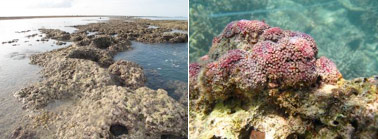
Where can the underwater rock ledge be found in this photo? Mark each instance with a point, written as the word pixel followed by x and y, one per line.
pixel 262 81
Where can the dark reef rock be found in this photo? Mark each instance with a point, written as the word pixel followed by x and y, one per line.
pixel 102 42
pixel 56 34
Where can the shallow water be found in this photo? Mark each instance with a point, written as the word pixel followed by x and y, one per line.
pixel 163 18
pixel 15 70
pixel 179 31
pixel 153 27
pixel 161 62
pixel 345 31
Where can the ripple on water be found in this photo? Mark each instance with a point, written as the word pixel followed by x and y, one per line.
pixel 161 62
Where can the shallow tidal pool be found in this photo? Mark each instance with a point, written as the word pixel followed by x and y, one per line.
pixel 161 62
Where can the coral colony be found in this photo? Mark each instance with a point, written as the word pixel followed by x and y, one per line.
pixel 265 57
pixel 251 63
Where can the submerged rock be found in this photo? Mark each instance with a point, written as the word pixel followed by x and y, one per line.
pixel 60 43
pixel 259 80
pixel 56 34
pixel 31 36
pixel 179 90
pixel 12 41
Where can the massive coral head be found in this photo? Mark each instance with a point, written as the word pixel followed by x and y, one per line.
pixel 250 55
pixel 275 82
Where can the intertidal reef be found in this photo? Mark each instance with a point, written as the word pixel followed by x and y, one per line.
pixel 259 81
pixel 84 93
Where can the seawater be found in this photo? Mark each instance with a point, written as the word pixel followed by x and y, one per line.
pixel 15 69
pixel 163 18
pixel 346 31
pixel 161 62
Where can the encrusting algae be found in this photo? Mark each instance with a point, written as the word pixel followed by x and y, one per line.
pixel 259 81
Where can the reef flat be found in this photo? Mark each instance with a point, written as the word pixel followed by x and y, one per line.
pixel 259 81
pixel 84 93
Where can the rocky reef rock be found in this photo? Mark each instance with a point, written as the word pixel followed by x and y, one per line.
pixel 259 80
pixel 102 42
pixel 56 34
pixel 102 108
pixel 123 113
pixel 130 74
pixel 85 94
pixel 19 133
pixel 179 89
pixel 138 30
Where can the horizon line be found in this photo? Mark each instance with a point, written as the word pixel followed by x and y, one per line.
pixel 62 16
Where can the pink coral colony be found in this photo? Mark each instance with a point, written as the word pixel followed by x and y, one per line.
pixel 263 57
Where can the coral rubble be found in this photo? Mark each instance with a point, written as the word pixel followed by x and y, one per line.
pixel 259 80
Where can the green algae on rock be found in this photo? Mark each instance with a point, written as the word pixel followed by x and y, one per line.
pixel 258 79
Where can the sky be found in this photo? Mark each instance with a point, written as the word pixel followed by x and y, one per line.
pixel 94 7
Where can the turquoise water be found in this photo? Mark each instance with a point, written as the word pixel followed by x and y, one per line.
pixel 345 31
pixel 161 62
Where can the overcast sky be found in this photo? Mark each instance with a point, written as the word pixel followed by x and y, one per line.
pixel 94 7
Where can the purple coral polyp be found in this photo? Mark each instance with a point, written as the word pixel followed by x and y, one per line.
pixel 194 69
pixel 274 34
pixel 244 27
pixel 279 58
pixel 327 70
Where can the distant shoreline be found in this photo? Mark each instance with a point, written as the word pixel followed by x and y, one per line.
pixel 65 16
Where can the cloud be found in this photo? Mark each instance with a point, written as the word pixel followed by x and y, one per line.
pixel 52 4
pixel 94 7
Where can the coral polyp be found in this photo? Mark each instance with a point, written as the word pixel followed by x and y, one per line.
pixel 327 70
pixel 274 34
pixel 256 77
pixel 278 59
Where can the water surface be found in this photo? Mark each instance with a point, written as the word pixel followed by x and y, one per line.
pixel 15 70
pixel 161 62
pixel 346 31
pixel 163 18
